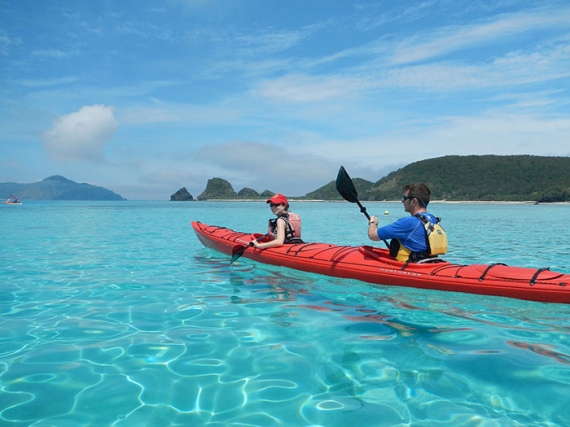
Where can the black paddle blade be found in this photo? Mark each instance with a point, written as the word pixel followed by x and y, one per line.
pixel 237 252
pixel 345 186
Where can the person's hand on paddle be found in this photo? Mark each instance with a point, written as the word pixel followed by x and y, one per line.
pixel 238 250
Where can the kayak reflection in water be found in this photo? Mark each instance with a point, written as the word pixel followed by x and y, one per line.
pixel 285 228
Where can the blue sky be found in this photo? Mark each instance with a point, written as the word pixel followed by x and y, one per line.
pixel 145 97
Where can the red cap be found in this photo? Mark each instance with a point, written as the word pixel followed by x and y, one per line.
pixel 278 199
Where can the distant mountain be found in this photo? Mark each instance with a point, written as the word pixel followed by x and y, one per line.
pixel 56 188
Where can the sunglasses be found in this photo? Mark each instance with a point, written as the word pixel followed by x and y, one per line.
pixel 404 198
pixel 273 205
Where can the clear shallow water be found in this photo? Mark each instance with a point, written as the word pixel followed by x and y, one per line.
pixel 113 314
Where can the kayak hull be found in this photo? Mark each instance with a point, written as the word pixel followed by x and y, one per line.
pixel 374 265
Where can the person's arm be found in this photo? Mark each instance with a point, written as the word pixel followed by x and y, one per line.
pixel 400 229
pixel 373 229
pixel 278 241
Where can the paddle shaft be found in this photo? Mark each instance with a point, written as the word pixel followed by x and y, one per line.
pixel 363 210
pixel 346 189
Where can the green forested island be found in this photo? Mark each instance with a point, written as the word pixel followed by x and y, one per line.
pixel 476 178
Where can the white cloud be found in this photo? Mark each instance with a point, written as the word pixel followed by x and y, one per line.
pixel 262 166
pixel 303 88
pixel 51 53
pixel 453 38
pixel 512 69
pixel 81 136
pixel 271 41
pixel 493 132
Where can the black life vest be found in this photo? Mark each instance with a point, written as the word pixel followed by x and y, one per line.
pixel 293 225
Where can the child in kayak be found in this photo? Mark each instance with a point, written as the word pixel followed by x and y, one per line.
pixel 285 228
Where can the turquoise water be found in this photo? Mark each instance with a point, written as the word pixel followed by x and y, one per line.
pixel 113 314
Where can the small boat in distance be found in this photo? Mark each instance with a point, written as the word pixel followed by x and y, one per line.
pixel 12 200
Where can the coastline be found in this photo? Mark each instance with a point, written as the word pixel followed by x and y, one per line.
pixel 486 202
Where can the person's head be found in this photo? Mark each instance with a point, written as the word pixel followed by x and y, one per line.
pixel 416 196
pixel 278 202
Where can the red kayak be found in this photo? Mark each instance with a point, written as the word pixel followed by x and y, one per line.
pixel 374 265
